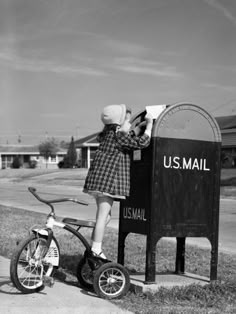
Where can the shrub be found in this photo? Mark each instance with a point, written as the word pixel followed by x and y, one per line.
pixel 32 164
pixel 61 164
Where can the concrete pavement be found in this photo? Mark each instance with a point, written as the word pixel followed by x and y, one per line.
pixel 61 298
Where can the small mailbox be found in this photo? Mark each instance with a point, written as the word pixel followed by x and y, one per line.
pixel 175 185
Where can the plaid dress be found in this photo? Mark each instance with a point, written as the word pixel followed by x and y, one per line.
pixel 110 169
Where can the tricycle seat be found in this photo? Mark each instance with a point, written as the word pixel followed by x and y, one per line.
pixel 80 223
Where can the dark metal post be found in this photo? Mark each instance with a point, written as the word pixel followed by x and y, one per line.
pixel 121 247
pixel 180 256
pixel 150 271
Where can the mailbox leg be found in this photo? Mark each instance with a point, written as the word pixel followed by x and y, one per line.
pixel 121 247
pixel 180 256
pixel 214 260
pixel 150 271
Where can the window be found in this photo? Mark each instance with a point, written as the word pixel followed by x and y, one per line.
pixel 7 161
pixel 54 158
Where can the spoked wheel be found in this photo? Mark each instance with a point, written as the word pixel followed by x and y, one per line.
pixel 85 274
pixel 111 281
pixel 32 262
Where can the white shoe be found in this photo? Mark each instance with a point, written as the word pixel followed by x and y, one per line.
pixel 101 254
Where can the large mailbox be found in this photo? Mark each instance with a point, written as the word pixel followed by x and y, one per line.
pixel 175 185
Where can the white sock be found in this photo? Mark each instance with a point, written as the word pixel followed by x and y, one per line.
pixel 97 248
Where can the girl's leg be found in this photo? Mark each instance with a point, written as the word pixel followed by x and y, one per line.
pixel 107 221
pixel 104 204
pixel 108 218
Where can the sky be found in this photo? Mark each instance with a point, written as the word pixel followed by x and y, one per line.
pixel 62 61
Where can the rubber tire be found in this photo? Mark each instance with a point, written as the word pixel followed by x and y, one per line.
pixel 88 284
pixel 100 272
pixel 15 259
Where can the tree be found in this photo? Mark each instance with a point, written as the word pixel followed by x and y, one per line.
pixel 71 157
pixel 48 148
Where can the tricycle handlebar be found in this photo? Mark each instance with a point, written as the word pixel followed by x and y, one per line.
pixel 60 200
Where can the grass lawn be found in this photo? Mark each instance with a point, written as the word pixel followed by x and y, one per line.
pixel 218 297
pixel 68 177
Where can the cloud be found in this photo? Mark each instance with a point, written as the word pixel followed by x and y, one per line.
pixel 228 88
pixel 146 67
pixel 225 11
pixel 56 115
pixel 85 66
pixel 30 64
pixel 224 68
pixel 125 47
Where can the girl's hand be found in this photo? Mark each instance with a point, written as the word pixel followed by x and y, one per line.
pixel 125 127
pixel 139 128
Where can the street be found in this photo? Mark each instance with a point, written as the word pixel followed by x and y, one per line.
pixel 17 195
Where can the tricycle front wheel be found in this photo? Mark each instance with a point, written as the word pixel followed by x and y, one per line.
pixel 32 261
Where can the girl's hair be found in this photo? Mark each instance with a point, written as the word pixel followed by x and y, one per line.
pixel 107 128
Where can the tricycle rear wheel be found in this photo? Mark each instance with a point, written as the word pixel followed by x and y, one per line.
pixel 85 274
pixel 111 281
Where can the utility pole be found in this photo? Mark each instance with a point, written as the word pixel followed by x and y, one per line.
pixel 77 132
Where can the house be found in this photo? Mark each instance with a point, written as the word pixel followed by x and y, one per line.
pixel 87 147
pixel 227 126
pixel 27 155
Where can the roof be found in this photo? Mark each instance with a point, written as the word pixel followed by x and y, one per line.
pixel 228 138
pixel 90 140
pixel 22 149
pixel 19 149
pixel 227 126
pixel 227 122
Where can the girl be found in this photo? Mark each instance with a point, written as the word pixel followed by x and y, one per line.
pixel 108 178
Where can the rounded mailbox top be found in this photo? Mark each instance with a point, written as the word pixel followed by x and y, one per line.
pixel 186 121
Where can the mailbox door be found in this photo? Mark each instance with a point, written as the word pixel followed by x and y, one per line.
pixel 185 192
pixel 186 173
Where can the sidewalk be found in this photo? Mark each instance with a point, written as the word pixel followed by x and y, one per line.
pixel 60 299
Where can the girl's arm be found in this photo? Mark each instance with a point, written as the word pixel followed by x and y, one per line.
pixel 130 141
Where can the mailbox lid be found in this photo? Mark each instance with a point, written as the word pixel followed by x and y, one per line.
pixel 187 121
